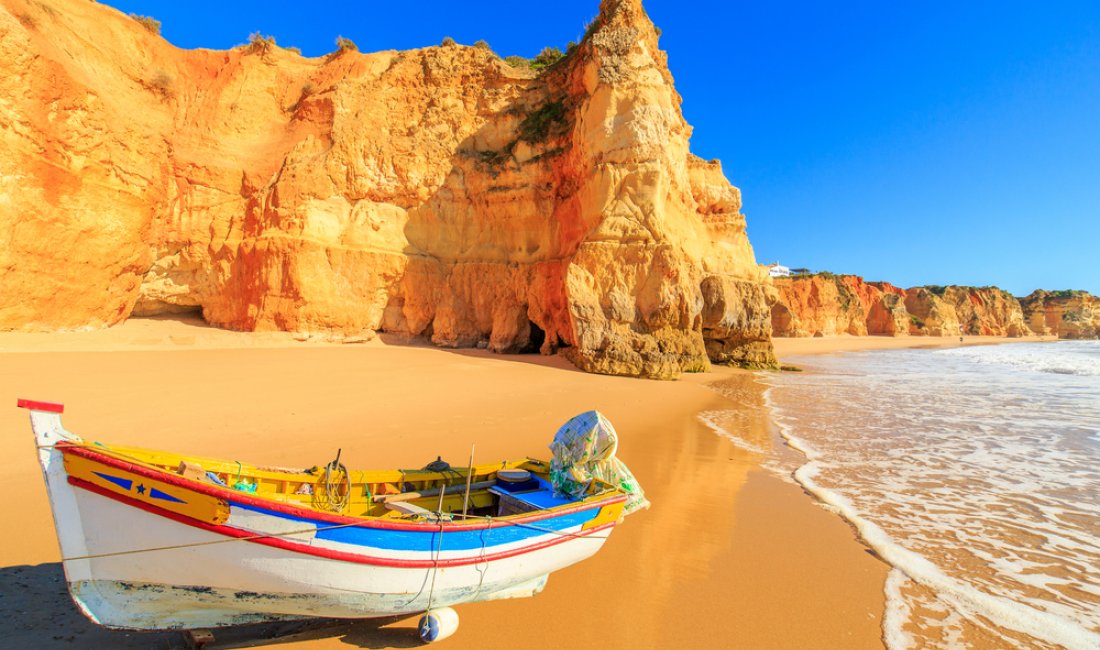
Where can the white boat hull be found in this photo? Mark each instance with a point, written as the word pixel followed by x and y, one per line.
pixel 212 582
pixel 130 565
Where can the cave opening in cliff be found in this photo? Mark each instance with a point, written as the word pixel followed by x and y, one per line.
pixel 534 340
pixel 166 311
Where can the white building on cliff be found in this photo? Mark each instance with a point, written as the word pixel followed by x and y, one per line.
pixel 777 270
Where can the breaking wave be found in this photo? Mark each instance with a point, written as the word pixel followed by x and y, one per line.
pixel 974 472
pixel 1080 358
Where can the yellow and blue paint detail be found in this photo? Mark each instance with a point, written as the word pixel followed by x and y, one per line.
pixel 608 514
pixel 126 484
pixel 175 499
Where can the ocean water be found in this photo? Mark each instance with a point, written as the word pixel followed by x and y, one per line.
pixel 974 472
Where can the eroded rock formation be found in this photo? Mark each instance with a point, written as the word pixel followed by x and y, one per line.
pixel 435 193
pixel 930 314
pixel 1065 314
pixel 885 307
pixel 826 304
pixel 820 306
pixel 986 311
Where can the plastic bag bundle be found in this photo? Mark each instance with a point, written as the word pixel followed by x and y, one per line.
pixel 584 448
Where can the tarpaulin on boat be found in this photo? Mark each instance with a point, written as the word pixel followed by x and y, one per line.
pixel 584 448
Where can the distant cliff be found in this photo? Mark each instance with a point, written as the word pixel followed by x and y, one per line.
pixel 438 193
pixel 1065 314
pixel 821 306
pixel 826 304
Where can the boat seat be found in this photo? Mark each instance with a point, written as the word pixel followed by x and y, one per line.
pixel 541 498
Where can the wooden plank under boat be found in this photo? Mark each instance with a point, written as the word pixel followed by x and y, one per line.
pixel 155 540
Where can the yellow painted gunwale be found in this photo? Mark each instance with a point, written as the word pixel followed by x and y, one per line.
pixel 173 498
pixel 281 484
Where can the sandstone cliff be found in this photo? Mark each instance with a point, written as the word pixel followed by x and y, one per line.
pixel 826 304
pixel 1065 314
pixel 885 307
pixel 930 314
pixel 436 193
pixel 986 311
pixel 820 306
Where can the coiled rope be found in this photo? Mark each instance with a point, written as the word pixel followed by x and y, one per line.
pixel 336 484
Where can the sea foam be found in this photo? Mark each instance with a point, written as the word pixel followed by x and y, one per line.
pixel 715 420
pixel 1062 357
pixel 974 474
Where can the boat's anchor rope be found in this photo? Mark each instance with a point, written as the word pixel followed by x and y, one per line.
pixel 483 570
pixel 435 562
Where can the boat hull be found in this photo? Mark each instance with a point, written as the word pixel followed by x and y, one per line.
pixel 143 550
pixel 203 578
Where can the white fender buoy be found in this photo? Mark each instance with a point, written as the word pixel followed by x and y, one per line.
pixel 437 624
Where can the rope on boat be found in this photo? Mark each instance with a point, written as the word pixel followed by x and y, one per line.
pixel 337 490
pixel 440 466
pixel 483 570
pixel 435 561
pixel 212 542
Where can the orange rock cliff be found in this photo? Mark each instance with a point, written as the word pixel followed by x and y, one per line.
pixel 1065 314
pixel 436 193
pixel 826 304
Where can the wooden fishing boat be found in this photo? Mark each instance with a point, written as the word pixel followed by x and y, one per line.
pixel 154 540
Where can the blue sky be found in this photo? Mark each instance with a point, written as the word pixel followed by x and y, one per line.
pixel 920 143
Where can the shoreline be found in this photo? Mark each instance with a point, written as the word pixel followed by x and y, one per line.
pixel 1007 616
pixel 798 347
pixel 726 540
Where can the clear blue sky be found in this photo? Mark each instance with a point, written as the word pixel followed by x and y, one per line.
pixel 915 142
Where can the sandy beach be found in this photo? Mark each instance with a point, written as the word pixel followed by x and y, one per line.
pixel 728 554
pixel 333 175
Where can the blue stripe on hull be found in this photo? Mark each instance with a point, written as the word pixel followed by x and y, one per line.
pixel 426 541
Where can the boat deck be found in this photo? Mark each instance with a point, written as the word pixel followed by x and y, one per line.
pixel 399 495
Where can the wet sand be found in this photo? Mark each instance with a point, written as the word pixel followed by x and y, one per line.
pixel 728 556
pixel 796 347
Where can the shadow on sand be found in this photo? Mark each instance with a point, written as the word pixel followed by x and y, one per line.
pixel 37 613
pixel 555 361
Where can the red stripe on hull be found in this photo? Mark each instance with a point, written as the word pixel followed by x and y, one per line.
pixel 237 497
pixel 330 554
pixel 40 406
